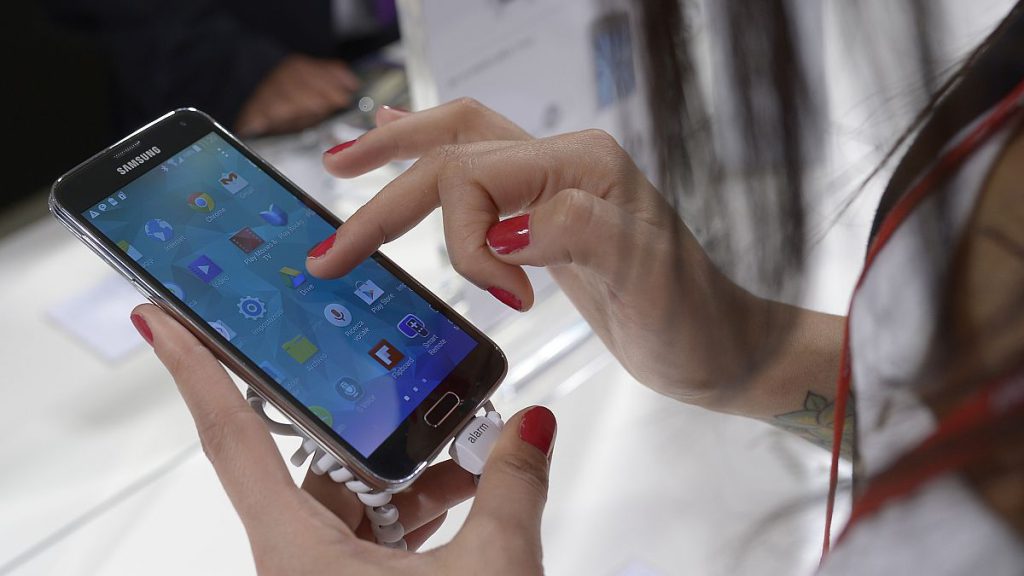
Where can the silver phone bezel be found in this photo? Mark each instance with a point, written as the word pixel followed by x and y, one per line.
pixel 227 357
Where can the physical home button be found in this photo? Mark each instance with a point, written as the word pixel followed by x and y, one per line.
pixel 442 409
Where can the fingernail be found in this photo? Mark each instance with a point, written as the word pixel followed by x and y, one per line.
pixel 341 147
pixel 538 429
pixel 507 298
pixel 402 111
pixel 143 328
pixel 320 249
pixel 511 235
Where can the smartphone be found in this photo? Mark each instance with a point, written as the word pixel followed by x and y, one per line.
pixel 375 368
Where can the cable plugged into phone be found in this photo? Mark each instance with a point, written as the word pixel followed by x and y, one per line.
pixel 469 450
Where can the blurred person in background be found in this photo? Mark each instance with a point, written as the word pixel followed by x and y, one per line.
pixel 259 67
pixel 921 386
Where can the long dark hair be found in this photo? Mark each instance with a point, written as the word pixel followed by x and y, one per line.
pixel 762 191
pixel 771 119
pixel 775 116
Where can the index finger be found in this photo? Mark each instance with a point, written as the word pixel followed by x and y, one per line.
pixel 395 210
pixel 457 122
pixel 234 438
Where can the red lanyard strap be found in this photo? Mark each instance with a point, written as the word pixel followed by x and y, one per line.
pixel 947 163
pixel 964 436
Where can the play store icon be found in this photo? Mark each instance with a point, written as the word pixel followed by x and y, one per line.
pixel 204 268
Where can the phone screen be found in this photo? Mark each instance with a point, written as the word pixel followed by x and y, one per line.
pixel 360 352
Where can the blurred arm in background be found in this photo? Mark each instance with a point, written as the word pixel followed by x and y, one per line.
pixel 259 67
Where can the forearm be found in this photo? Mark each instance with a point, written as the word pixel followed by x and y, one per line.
pixel 787 376
pixel 709 342
pixel 797 391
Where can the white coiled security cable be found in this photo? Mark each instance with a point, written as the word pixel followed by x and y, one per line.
pixel 469 450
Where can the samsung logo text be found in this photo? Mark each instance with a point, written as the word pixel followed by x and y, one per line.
pixel 139 160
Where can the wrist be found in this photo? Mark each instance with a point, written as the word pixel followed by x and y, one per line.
pixel 729 374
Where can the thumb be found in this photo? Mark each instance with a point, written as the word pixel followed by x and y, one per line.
pixel 514 484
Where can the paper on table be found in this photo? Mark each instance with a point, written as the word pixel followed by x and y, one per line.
pixel 98 318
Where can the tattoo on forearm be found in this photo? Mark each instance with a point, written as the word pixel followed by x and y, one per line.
pixel 815 422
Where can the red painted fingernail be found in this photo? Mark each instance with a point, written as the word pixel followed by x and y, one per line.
pixel 320 249
pixel 511 235
pixel 341 147
pixel 143 328
pixel 538 429
pixel 507 298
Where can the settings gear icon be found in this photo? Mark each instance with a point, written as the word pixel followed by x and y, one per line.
pixel 252 308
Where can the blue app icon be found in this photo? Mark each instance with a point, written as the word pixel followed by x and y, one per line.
pixel 176 290
pixel 204 268
pixel 349 389
pixel 130 250
pixel 275 216
pixel 272 371
pixel 252 308
pixel 412 326
pixel 159 230
pixel 223 329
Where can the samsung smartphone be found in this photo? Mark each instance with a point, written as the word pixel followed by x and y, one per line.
pixel 372 365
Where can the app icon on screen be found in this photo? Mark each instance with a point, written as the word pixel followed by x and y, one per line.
pixel 232 182
pixel 323 414
pixel 292 277
pixel 252 307
pixel 130 250
pixel 412 326
pixel 338 315
pixel 386 354
pixel 349 389
pixel 300 348
pixel 176 290
pixel 275 216
pixel 246 240
pixel 158 229
pixel 201 202
pixel 223 329
pixel 272 371
pixel 204 268
pixel 368 291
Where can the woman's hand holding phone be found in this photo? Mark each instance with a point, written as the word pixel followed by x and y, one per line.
pixel 321 526
pixel 581 208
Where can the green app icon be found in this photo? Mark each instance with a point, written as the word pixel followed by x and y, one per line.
pixel 323 414
pixel 300 348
